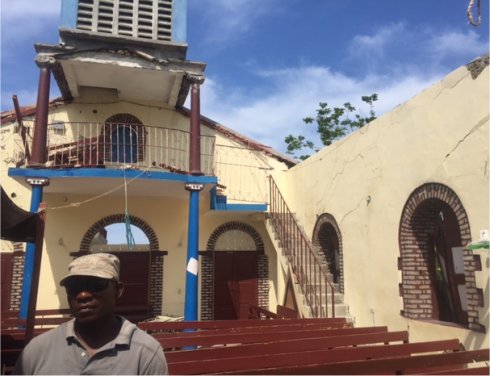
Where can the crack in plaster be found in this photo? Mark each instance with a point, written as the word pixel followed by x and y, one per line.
pixel 352 210
pixel 471 131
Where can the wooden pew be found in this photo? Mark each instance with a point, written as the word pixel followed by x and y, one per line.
pixel 13 332
pixel 297 358
pixel 280 346
pixel 408 364
pixel 485 370
pixel 47 317
pixel 205 339
pixel 180 326
pixel 285 346
pixel 256 328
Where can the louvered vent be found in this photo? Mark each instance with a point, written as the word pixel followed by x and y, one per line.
pixel 85 14
pixel 105 17
pixel 148 19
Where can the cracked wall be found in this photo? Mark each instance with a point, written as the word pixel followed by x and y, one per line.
pixel 364 181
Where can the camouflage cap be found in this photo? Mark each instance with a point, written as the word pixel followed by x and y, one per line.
pixel 100 265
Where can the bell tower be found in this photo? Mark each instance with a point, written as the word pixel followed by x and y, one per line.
pixel 150 20
pixel 129 49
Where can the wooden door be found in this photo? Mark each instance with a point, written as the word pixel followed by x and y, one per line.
pixel 235 284
pixel 135 274
pixel 7 272
pixel 447 302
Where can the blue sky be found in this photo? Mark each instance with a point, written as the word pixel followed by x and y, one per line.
pixel 270 62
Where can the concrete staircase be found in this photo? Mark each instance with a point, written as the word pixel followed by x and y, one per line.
pixel 312 283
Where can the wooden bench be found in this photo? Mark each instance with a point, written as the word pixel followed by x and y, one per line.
pixel 306 346
pixel 55 317
pixel 443 363
pixel 47 317
pixel 154 327
pixel 216 338
pixel 297 358
pixel 289 345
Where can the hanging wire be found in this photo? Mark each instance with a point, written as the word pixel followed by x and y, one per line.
pixel 80 203
pixel 469 13
pixel 127 220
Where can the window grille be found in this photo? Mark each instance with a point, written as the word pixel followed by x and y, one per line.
pixel 58 129
pixel 147 19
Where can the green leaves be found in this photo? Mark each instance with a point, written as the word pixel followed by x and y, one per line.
pixel 298 143
pixel 332 124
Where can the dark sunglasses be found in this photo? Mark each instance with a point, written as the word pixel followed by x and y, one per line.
pixel 74 287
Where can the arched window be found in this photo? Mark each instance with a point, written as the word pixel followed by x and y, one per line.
pixel 328 242
pixel 124 144
pixel 124 139
pixel 437 271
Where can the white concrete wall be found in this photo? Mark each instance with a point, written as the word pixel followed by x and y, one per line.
pixel 364 180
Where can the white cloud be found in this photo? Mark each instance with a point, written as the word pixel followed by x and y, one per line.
pixel 29 8
pixel 25 19
pixel 22 19
pixel 457 43
pixel 378 42
pixel 227 20
pixel 399 46
pixel 295 93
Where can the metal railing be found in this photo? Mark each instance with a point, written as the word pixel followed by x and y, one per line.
pixel 311 273
pixel 243 171
pixel 141 146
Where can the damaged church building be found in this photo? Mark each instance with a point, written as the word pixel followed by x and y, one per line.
pixel 388 226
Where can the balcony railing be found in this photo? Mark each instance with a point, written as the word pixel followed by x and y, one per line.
pixel 243 171
pixel 116 144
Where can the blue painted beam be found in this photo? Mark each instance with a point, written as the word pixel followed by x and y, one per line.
pixel 110 173
pixel 246 207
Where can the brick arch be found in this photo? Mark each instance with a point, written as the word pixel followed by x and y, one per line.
pixel 123 119
pixel 207 268
pixel 259 244
pixel 119 218
pixel 416 223
pixel 326 229
pixel 156 257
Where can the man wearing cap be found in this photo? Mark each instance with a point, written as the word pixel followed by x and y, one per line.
pixel 96 341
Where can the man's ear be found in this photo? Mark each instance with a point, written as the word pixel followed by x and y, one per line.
pixel 119 290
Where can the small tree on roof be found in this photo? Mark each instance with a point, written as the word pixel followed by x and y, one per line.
pixel 332 124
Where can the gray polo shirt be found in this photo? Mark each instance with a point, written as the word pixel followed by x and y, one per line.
pixel 56 352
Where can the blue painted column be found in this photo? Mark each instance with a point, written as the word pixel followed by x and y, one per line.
pixel 191 279
pixel 36 199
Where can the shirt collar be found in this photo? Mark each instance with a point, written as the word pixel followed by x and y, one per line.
pixel 123 338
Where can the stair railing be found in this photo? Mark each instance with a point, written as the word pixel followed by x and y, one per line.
pixel 311 273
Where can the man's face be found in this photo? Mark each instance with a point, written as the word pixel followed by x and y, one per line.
pixel 92 299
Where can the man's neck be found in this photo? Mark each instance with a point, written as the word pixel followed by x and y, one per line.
pixel 96 334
